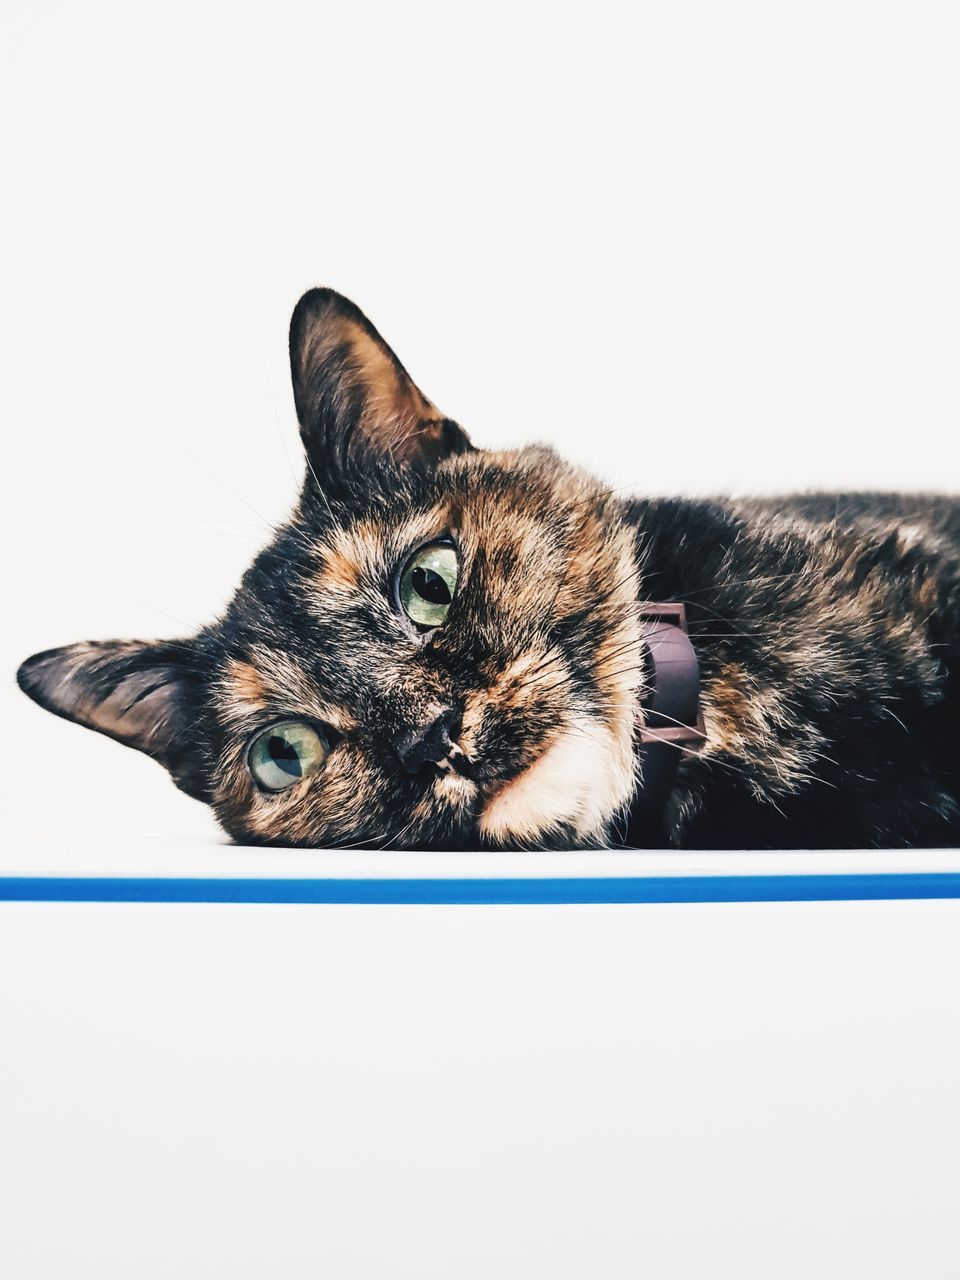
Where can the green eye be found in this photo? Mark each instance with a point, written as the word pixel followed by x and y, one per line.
pixel 428 582
pixel 285 753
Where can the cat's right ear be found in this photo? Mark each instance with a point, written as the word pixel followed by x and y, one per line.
pixel 145 695
pixel 360 411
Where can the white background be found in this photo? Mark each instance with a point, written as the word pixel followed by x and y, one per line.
pixel 699 247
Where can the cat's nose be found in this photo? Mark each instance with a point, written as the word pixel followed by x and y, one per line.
pixel 429 743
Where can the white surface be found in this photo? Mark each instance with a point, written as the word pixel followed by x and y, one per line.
pixel 158 857
pixel 670 1091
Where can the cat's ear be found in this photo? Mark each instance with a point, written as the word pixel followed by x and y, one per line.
pixel 144 695
pixel 358 407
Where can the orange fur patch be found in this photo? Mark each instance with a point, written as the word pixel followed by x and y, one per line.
pixel 245 683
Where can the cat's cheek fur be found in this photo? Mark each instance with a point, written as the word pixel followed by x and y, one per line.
pixel 339 803
pixel 582 779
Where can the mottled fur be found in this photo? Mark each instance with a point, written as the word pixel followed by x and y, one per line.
pixel 827 629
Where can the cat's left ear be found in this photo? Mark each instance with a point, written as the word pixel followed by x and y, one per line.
pixel 358 407
pixel 146 696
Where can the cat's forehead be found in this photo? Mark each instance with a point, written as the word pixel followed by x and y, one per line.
pixel 517 506
pixel 268 679
pixel 320 621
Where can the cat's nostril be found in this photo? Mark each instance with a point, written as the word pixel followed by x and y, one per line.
pixel 430 743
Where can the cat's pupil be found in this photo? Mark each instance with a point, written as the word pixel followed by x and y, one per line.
pixel 430 586
pixel 285 756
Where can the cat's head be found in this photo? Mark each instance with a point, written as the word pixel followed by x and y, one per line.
pixel 440 649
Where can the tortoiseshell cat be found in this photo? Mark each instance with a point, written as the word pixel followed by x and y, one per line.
pixel 443 649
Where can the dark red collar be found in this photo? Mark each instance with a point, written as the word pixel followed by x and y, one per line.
pixel 670 721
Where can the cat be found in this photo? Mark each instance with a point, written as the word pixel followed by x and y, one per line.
pixel 451 648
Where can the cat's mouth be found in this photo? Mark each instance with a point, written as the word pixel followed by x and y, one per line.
pixel 574 779
pixel 469 785
pixel 486 776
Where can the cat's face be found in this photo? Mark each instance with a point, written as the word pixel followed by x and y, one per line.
pixel 441 649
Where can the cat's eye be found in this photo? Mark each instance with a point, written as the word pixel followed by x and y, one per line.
pixel 428 583
pixel 285 753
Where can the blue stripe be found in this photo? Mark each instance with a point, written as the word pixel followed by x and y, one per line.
pixel 470 891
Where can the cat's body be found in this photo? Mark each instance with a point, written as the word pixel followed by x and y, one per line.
pixel 443 648
pixel 827 629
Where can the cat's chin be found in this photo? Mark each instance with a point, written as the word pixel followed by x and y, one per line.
pixel 457 792
pixel 577 783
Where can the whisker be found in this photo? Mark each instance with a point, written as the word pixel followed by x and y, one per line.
pixel 191 626
pixel 710 761
pixel 713 613
pixel 398 836
pixel 230 489
pixel 606 492
pixel 723 584
pixel 601 599
pixel 727 635
pixel 276 418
